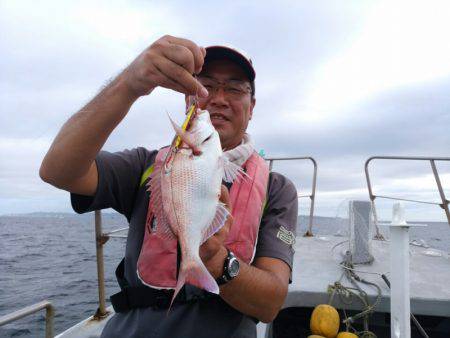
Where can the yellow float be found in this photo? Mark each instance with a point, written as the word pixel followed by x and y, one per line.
pixel 325 321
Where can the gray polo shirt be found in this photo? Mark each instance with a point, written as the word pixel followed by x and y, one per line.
pixel 119 176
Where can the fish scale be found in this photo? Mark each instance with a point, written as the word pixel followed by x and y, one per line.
pixel 186 191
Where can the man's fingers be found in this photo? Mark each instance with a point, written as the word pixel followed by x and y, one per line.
pixel 181 55
pixel 196 51
pixel 167 82
pixel 222 234
pixel 225 197
pixel 176 59
pixel 209 248
pixel 177 74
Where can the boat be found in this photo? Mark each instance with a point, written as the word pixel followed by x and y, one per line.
pixel 326 272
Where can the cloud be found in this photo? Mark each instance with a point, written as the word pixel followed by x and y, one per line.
pixel 339 81
pixel 392 50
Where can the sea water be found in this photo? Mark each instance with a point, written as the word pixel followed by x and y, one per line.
pixel 52 256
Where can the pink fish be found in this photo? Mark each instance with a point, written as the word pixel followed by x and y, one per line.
pixel 185 193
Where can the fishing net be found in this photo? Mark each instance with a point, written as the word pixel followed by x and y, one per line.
pixel 360 231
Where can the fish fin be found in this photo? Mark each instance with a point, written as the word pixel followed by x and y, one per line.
pixel 163 229
pixel 185 136
pixel 218 222
pixel 231 171
pixel 194 272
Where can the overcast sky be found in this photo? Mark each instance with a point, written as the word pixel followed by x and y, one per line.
pixel 337 80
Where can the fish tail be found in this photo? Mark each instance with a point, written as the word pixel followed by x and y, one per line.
pixel 194 272
pixel 199 276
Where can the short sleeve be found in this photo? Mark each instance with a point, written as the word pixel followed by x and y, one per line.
pixel 119 176
pixel 279 222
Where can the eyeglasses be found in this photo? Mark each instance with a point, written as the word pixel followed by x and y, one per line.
pixel 232 89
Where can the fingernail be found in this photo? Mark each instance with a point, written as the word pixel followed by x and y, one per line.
pixel 199 70
pixel 203 92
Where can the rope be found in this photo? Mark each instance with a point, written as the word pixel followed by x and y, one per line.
pixel 354 278
pixel 347 295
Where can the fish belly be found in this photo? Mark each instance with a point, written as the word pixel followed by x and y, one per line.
pixel 192 193
pixel 193 190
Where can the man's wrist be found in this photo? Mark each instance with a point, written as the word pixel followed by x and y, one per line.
pixel 231 269
pixel 132 85
pixel 122 87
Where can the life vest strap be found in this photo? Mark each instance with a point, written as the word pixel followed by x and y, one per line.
pixel 141 297
pixel 133 297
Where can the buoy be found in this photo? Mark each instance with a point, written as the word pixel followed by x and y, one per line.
pixel 346 335
pixel 325 321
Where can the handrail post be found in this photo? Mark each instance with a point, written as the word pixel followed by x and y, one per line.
pixel 49 314
pixel 26 311
pixel 312 197
pixel 372 197
pixel 399 267
pixel 309 232
pixel 99 241
pixel 441 191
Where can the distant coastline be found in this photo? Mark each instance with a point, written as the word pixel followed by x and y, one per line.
pixel 302 219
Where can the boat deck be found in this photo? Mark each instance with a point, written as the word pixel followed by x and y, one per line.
pixel 88 328
pixel 315 269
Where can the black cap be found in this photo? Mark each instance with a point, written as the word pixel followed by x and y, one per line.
pixel 233 54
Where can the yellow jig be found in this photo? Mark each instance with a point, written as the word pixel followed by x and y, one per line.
pixel 190 113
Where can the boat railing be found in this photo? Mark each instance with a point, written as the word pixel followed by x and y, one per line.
pixel 100 240
pixel 444 201
pixel 29 310
pixel 311 196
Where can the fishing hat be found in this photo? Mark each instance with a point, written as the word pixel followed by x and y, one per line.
pixel 235 55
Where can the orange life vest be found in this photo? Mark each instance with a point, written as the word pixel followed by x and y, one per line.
pixel 157 263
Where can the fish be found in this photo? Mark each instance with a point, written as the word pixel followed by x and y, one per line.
pixel 184 196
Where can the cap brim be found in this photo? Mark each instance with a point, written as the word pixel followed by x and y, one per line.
pixel 223 52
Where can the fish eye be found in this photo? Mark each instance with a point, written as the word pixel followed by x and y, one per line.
pixel 208 138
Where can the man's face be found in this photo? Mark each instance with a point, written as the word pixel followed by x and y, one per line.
pixel 230 111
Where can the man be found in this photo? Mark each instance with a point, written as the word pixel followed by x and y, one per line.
pixel 97 180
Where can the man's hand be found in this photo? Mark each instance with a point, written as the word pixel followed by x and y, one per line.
pixel 169 62
pixel 213 251
pixel 260 289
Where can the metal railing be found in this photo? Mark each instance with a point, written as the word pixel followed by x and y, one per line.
pixel 26 311
pixel 100 240
pixel 308 233
pixel 372 196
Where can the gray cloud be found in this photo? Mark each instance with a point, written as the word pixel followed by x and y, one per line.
pixel 53 64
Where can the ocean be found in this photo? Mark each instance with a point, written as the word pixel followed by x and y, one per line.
pixel 52 256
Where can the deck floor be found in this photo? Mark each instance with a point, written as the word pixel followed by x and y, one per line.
pixel 315 269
